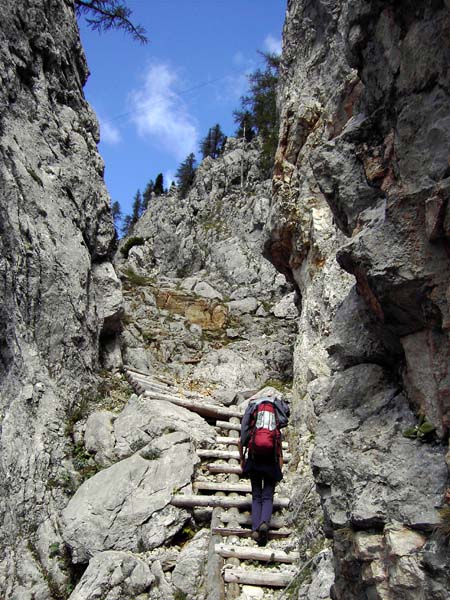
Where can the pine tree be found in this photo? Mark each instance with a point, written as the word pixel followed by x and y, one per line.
pixel 212 144
pixel 158 188
pixel 116 214
pixel 259 108
pixel 103 15
pixel 246 124
pixel 126 225
pixel 136 208
pixel 147 194
pixel 185 175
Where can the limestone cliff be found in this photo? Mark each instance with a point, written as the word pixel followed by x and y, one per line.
pixel 201 258
pixel 58 289
pixel 360 223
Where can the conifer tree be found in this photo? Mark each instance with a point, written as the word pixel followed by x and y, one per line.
pixel 136 208
pixel 158 188
pixel 212 144
pixel 116 214
pixel 103 15
pixel 126 225
pixel 147 194
pixel 185 175
pixel 259 109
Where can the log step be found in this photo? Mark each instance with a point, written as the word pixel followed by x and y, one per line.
pixel 227 425
pixel 277 579
pixel 223 486
pixel 224 468
pixel 235 441
pixel 243 519
pixel 154 375
pixel 151 385
pixel 202 408
pixel 187 501
pixel 229 454
pixel 251 553
pixel 246 532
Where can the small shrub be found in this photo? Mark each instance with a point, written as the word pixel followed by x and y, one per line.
pixel 423 431
pixel 54 550
pixel 150 453
pixel 133 241
pixel 134 278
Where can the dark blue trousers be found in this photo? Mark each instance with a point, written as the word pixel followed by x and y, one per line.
pixel 263 488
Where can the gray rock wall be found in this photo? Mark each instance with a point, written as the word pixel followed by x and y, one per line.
pixel 359 221
pixel 56 229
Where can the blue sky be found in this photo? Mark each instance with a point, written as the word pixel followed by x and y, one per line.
pixel 156 102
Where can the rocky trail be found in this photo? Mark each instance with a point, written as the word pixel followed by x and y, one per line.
pixel 235 563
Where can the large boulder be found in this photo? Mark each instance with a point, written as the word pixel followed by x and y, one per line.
pixel 127 506
pixel 113 576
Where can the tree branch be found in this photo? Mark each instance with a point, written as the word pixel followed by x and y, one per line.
pixel 109 14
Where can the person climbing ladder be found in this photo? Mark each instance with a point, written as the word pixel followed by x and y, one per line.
pixel 261 457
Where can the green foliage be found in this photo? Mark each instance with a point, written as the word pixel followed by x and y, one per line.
pixel 103 15
pixel 185 175
pixel 54 550
pixel 212 145
pixel 78 411
pixel 84 463
pixel 147 194
pixel 158 188
pixel 126 225
pixel 150 453
pixel 135 279
pixel 258 114
pixel 137 208
pixel 132 241
pixel 116 214
pixel 423 431
pixel 281 386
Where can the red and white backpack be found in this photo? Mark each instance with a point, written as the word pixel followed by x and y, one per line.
pixel 265 436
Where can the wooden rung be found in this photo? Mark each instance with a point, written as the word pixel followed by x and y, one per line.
pixel 202 408
pixel 151 385
pixel 235 441
pixel 251 553
pixel 218 454
pixel 228 454
pixel 242 519
pixel 159 378
pixel 242 487
pixel 187 501
pixel 224 468
pixel 275 534
pixel 259 578
pixel 227 425
pixel 161 387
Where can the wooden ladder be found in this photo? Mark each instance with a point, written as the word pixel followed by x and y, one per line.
pixel 227 498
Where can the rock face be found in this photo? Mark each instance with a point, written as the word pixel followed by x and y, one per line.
pixel 359 222
pixel 127 506
pixel 201 301
pixel 56 243
pixel 216 231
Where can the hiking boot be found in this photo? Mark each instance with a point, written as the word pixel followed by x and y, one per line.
pixel 263 534
pixel 255 536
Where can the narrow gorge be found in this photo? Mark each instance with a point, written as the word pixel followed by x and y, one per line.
pixel 126 365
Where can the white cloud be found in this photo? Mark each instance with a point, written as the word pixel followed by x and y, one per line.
pixel 161 115
pixel 109 133
pixel 272 44
pixel 169 178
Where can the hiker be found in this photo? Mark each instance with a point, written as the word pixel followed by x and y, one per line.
pixel 261 457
